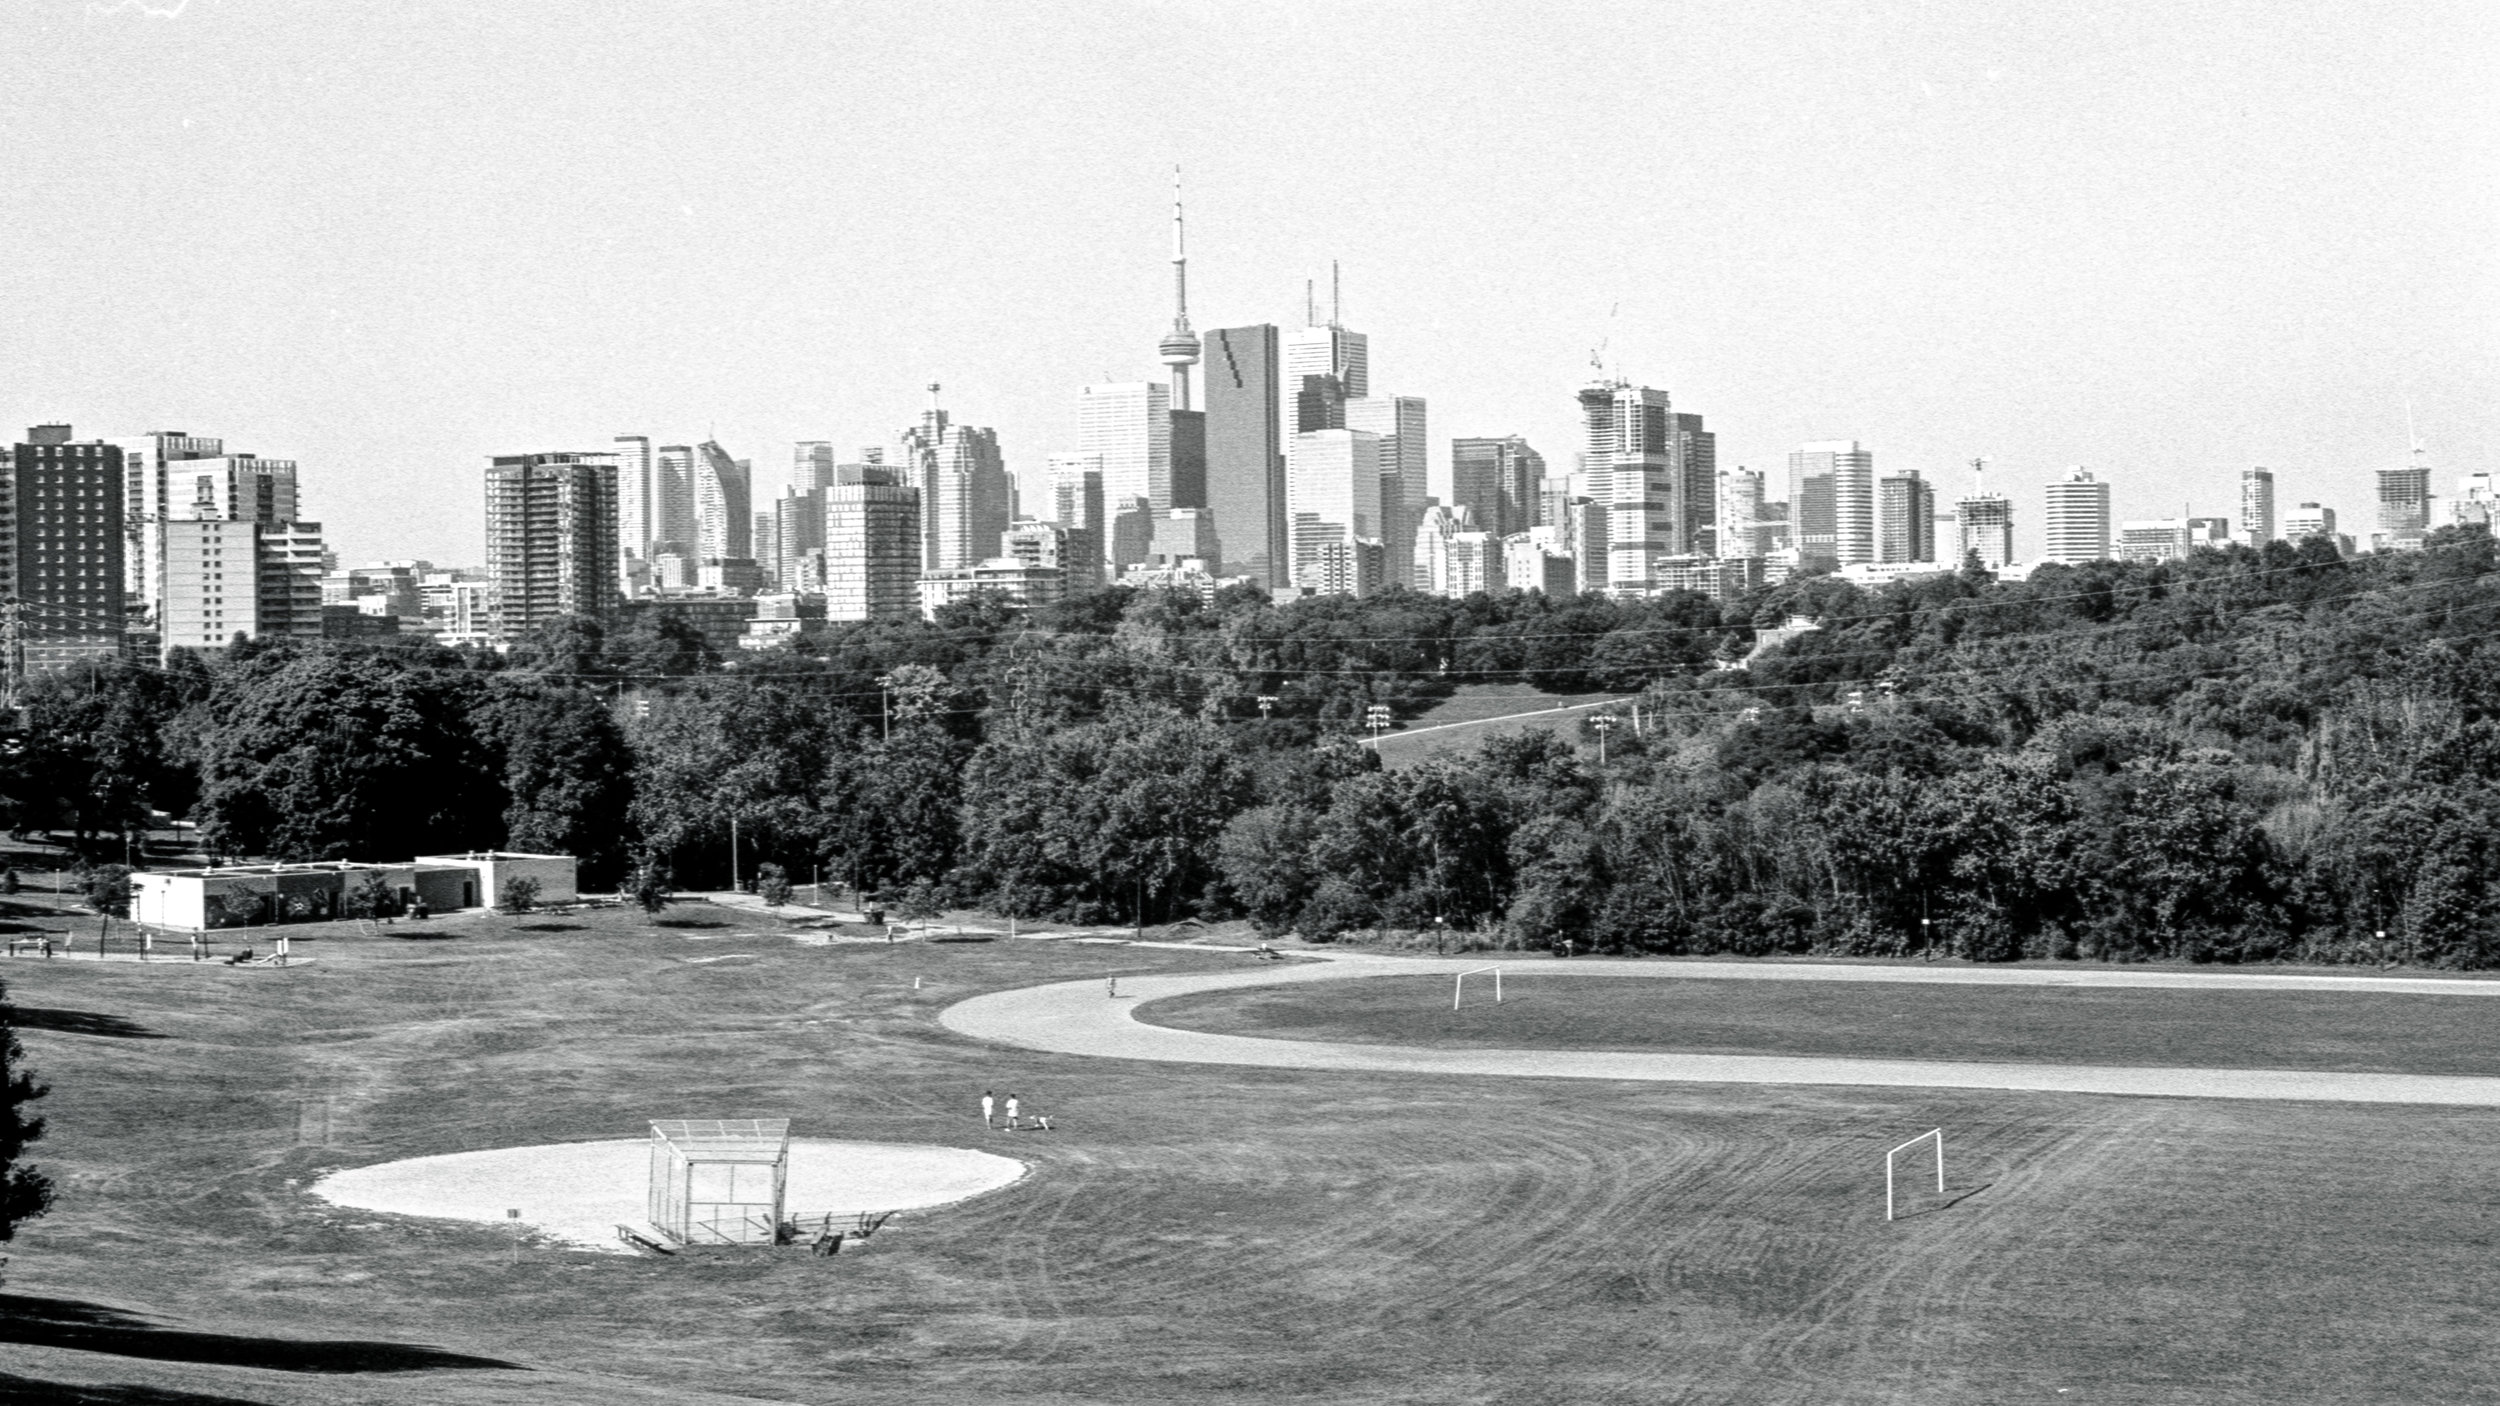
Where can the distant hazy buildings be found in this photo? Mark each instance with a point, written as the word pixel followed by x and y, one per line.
pixel 2257 506
pixel 2404 506
pixel 1454 556
pixel 1985 524
pixel 2077 520
pixel 1128 426
pixel 551 537
pixel 1399 422
pixel 1335 493
pixel 2309 520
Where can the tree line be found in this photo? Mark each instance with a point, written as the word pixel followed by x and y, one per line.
pixel 2241 756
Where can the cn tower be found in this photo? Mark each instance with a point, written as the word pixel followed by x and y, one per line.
pixel 1180 345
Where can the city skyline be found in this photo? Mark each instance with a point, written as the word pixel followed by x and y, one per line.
pixel 2260 243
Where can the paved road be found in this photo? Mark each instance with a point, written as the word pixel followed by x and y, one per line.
pixel 1076 1017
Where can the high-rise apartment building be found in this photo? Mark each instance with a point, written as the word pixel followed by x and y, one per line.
pixel 1243 379
pixel 2077 520
pixel 1335 497
pixel 288 559
pixel 1986 526
pixel 146 492
pixel 1835 481
pixel 67 500
pixel 2257 506
pixel 723 504
pixel 673 515
pixel 812 462
pixel 1399 421
pixel 209 591
pixel 551 538
pixel 2404 506
pixel 1128 426
pixel 1741 514
pixel 1905 513
pixel 638 498
pixel 1655 471
pixel 797 527
pixel 873 541
pixel 1497 480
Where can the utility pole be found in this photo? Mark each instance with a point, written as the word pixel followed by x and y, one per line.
pixel 1376 718
pixel 733 851
pixel 885 703
pixel 1267 704
pixel 1604 723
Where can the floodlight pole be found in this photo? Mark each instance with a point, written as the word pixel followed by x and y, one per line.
pixel 733 851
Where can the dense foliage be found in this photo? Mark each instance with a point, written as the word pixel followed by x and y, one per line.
pixel 2244 756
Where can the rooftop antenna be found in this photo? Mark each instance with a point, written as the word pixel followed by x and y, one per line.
pixel 1310 304
pixel 1336 296
pixel 1979 477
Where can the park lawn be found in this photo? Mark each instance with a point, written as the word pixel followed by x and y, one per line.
pixel 1490 710
pixel 1189 1233
pixel 1549 1007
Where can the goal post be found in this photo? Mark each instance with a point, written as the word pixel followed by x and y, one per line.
pixel 1934 1135
pixel 1458 992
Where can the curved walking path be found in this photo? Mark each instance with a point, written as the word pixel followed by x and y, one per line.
pixel 1076 1017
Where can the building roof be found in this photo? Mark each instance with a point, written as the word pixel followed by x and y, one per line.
pixel 725 1139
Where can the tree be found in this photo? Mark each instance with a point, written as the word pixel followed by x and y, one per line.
pixel 1265 856
pixel 518 894
pixel 106 889
pixel 25 1193
pixel 650 886
pixel 772 884
pixel 371 897
pixel 567 774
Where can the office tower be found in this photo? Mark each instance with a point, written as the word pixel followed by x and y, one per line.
pixel 1836 480
pixel 1076 500
pixel 1246 452
pixel 2155 539
pixel 1693 505
pixel 1318 349
pixel 1986 521
pixel 2309 520
pixel 1454 556
pixel 796 528
pixel 1634 466
pixel 145 492
pixel 1564 504
pixel 551 537
pixel 1072 552
pixel 1181 534
pixel 1497 480
pixel 1131 537
pixel 1741 514
pixel 1128 426
pixel 2256 506
pixel 723 498
pixel 2404 506
pixel 971 498
pixel 873 538
pixel 1189 459
pixel 1335 496
pixel 2077 521
pixel 1399 421
pixel 811 464
pixel 673 514
pixel 66 546
pixel 638 499
pixel 1179 348
pixel 1906 512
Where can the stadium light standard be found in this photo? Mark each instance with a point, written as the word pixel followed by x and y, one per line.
pixel 1376 718
pixel 1927 935
pixel 885 703
pixel 1267 704
pixel 1604 723
pixel 1440 925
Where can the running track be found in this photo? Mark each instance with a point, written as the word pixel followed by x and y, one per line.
pixel 1076 1017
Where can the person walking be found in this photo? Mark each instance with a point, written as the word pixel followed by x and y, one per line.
pixel 1011 1114
pixel 1112 988
pixel 986 1106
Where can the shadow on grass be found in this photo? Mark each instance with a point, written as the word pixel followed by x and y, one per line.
pixel 83 1023
pixel 26 1391
pixel 547 927
pixel 1951 1201
pixel 687 923
pixel 964 937
pixel 84 1327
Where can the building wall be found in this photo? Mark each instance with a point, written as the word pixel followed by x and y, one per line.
pixel 1336 502
pixel 1906 517
pixel 2077 521
pixel 723 504
pixel 1842 471
pixel 872 547
pixel 1400 422
pixel 289 580
pixel 1128 426
pixel 1634 466
pixel 210 582
pixel 974 497
pixel 66 499
pixel 1987 527
pixel 551 538
pixel 2257 526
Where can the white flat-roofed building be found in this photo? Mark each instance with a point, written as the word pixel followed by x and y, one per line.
pixel 2077 522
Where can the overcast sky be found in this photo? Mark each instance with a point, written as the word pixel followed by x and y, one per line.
pixel 389 238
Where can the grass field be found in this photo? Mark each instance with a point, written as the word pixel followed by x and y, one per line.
pixel 1190 1233
pixel 1462 721
pixel 1546 1007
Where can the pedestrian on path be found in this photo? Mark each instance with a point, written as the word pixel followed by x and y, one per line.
pixel 986 1106
pixel 1011 1114
pixel 1112 989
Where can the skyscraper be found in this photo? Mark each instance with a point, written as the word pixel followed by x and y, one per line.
pixel 723 504
pixel 1906 512
pixel 1634 468
pixel 2077 521
pixel 1336 510
pixel 1399 421
pixel 66 572
pixel 1741 515
pixel 873 539
pixel 2257 506
pixel 966 496
pixel 145 492
pixel 551 537
pixel 1835 479
pixel 1496 479
pixel 638 499
pixel 811 464
pixel 2404 506
pixel 1128 426
pixel 672 506
pixel 1246 452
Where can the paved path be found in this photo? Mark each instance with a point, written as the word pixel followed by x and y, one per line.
pixel 1075 1017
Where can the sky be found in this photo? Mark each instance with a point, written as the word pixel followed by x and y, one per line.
pixel 391 238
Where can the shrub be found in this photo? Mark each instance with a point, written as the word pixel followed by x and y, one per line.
pixel 371 898
pixel 518 895
pixel 650 885
pixel 772 884
pixel 107 889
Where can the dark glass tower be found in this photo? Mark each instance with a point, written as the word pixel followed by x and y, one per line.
pixel 1245 453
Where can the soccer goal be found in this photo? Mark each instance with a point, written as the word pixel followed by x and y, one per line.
pixel 1934 1135
pixel 1458 993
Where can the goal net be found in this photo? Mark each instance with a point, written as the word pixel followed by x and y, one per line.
pixel 1892 1158
pixel 1458 993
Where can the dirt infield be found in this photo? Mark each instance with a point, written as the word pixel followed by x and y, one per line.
pixel 578 1193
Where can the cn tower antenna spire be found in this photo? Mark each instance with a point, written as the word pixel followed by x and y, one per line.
pixel 1179 349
